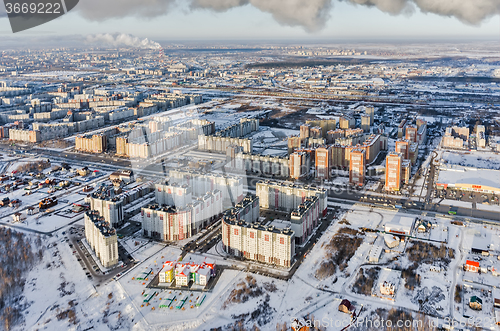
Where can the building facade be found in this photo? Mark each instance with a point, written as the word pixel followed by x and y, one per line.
pixel 244 236
pixel 110 207
pixel 101 237
pixel 181 221
pixel 357 167
pixel 393 168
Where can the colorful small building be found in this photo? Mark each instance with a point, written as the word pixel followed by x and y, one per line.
pixel 184 273
pixel 203 276
pixel 471 266
pixel 167 272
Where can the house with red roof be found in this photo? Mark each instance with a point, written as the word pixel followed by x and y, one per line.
pixel 471 266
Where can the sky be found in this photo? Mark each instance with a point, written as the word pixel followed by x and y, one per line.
pixel 342 21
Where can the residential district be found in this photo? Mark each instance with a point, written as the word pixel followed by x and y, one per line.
pixel 260 188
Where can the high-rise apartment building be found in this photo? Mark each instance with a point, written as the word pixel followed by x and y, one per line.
pixel 244 236
pixel 411 133
pixel 294 143
pixel 97 143
pixel 299 165
pixel 393 165
pixel 370 111
pixel 109 206
pixel 316 132
pixel 101 237
pixel 305 131
pixel 403 147
pixel 357 167
pixel 347 122
pixel 322 162
pixel 366 123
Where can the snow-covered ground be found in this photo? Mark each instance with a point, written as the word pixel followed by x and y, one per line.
pixel 58 289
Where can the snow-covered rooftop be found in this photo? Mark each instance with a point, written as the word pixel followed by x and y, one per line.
pixel 463 175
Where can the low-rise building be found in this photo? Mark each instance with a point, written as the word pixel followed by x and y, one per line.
pixel 387 288
pixel 346 307
pixel 472 266
pixel 476 303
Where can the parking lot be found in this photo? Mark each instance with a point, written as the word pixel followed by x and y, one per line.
pixel 467 196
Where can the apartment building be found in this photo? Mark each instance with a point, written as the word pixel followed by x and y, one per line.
pixel 109 206
pixel 325 125
pixel 366 123
pixel 411 133
pixel 294 142
pixel 316 132
pixel 101 237
pixel 322 162
pixel 393 169
pixel 263 164
pixel 347 122
pixel 231 187
pixel 244 236
pixel 98 143
pixel 403 147
pixel 299 165
pixel 357 167
pixel 285 196
pixel 220 144
pixel 333 135
pixel 305 131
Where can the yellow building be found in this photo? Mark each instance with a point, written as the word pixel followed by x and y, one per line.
pixel 167 273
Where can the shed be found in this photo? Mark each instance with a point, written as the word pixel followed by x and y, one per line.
pixel 346 307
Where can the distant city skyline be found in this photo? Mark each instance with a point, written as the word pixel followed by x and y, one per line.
pixel 246 23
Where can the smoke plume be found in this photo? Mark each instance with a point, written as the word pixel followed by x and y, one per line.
pixel 120 40
pixel 467 11
pixel 311 14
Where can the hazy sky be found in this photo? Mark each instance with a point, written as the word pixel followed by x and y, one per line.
pixel 343 21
